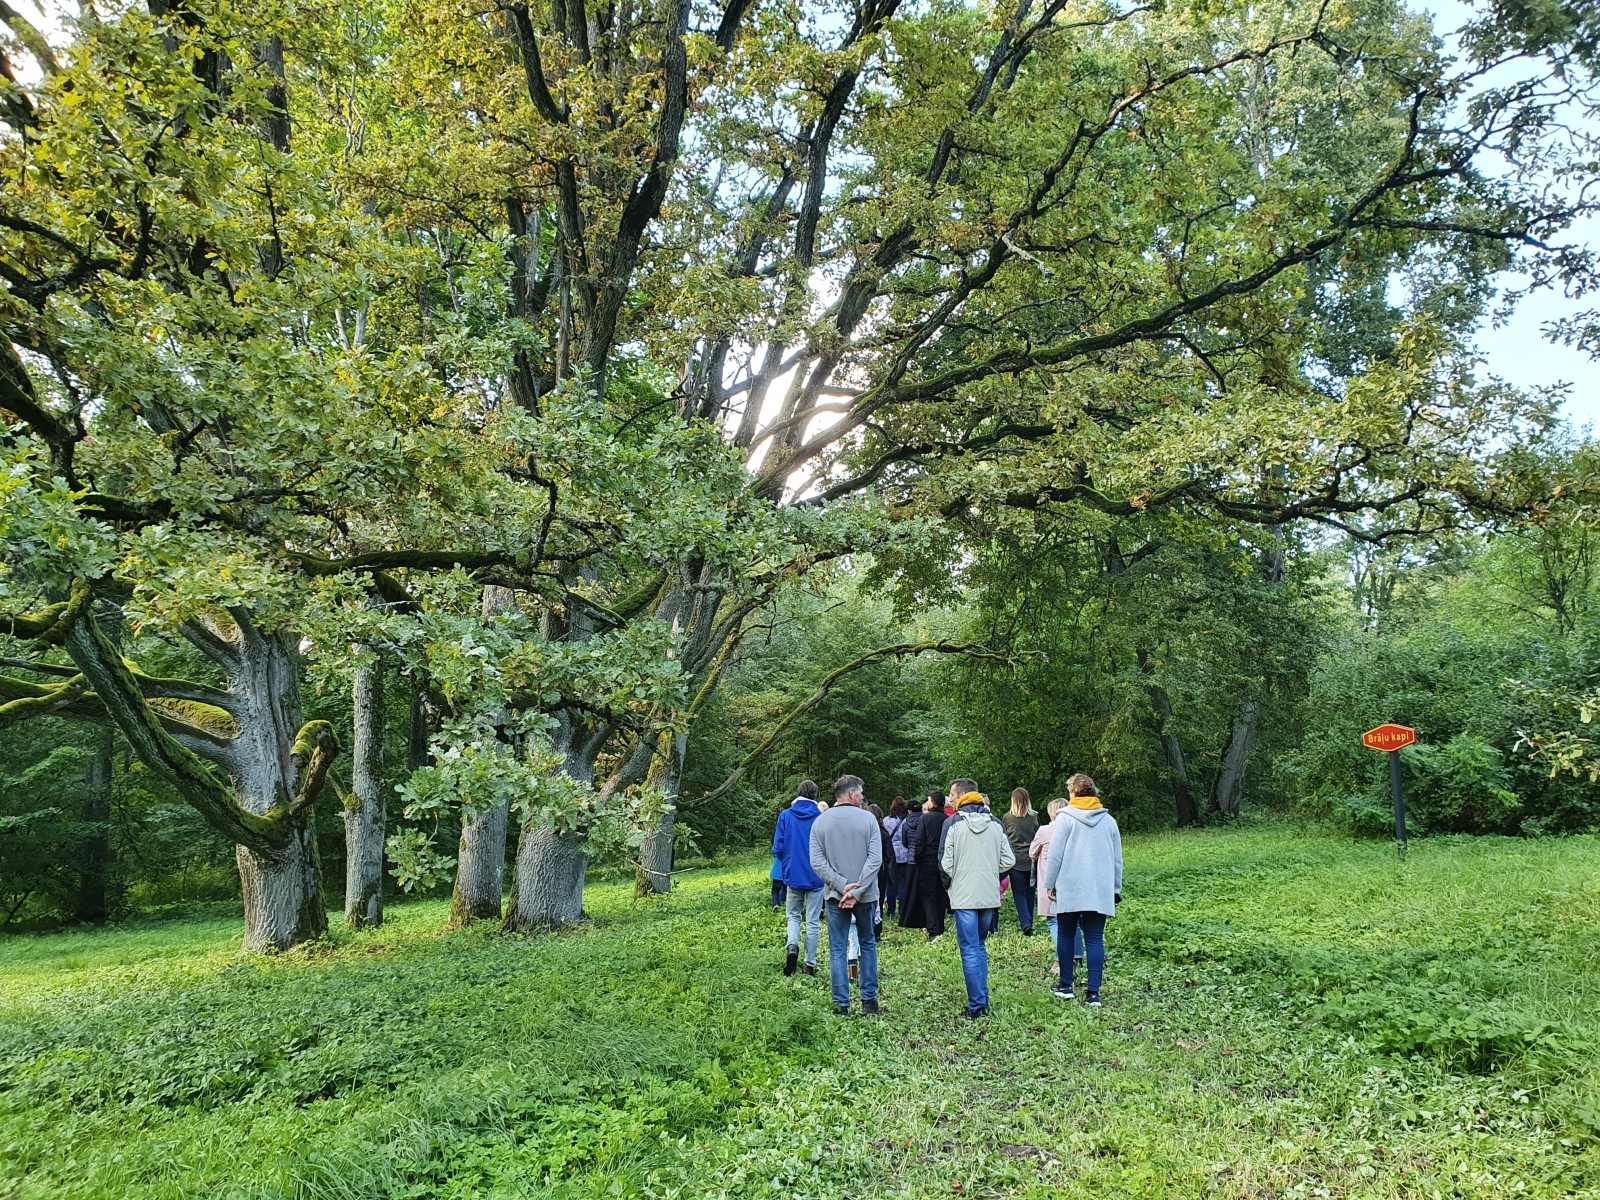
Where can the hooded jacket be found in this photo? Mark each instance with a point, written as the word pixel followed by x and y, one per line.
pixel 976 853
pixel 791 845
pixel 1084 866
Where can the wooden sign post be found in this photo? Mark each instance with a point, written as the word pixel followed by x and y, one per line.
pixel 1391 739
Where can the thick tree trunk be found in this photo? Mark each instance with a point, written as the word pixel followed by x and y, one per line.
pixel 547 891
pixel 283 898
pixel 283 901
pixel 92 907
pixel 366 819
pixel 480 867
pixel 252 730
pixel 1236 759
pixel 549 883
pixel 654 876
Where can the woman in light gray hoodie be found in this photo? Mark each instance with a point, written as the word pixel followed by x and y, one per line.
pixel 1083 882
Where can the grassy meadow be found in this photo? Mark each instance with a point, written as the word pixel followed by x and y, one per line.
pixel 1288 1015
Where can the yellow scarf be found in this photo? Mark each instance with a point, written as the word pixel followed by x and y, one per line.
pixel 1085 802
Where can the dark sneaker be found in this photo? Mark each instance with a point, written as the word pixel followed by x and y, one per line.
pixel 841 1010
pixel 1092 999
pixel 870 1008
pixel 809 969
pixel 1028 932
pixel 1063 991
pixel 791 960
pixel 974 1013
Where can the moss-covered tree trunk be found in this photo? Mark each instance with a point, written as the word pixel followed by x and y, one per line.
pixel 366 813
pixel 187 734
pixel 283 896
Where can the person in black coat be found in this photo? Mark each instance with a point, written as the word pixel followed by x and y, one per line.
pixel 925 901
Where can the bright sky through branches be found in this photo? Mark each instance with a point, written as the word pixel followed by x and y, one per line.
pixel 1517 350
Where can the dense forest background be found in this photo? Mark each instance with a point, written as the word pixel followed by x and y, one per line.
pixel 1118 646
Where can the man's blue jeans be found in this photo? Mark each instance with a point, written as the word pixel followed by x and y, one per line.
pixel 973 926
pixel 839 922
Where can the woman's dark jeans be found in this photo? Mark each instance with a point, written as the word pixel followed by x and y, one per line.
pixel 1023 894
pixel 1093 925
pixel 892 887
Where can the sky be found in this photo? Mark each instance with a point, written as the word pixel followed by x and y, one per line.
pixel 1516 350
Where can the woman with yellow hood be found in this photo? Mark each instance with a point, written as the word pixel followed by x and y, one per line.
pixel 1083 879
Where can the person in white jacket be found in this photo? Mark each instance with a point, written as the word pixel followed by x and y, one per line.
pixel 1083 882
pixel 976 854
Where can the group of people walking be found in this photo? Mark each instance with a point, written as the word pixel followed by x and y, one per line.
pixel 951 856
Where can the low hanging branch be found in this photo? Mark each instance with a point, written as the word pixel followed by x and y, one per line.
pixel 117 686
pixel 972 649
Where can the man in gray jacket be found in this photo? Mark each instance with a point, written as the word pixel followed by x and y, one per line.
pixel 976 854
pixel 846 851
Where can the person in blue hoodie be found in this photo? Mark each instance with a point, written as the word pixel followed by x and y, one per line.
pixel 791 847
pixel 1083 880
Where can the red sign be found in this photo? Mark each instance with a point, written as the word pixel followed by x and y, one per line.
pixel 1388 737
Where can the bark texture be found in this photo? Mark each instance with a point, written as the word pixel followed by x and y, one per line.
pixel 480 867
pixel 549 881
pixel 253 731
pixel 366 814
pixel 283 900
pixel 1236 759
pixel 547 891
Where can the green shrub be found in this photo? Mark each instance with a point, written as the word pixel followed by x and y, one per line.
pixel 1462 786
pixel 1448 1026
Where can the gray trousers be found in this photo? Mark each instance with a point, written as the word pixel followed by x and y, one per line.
pixel 809 905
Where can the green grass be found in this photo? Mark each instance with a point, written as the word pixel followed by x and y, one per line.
pixel 1289 1015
